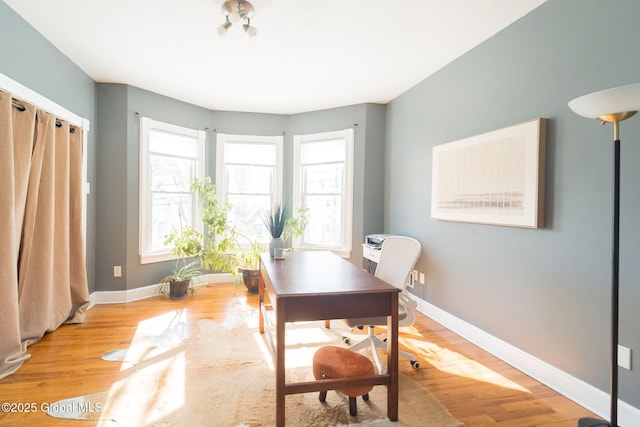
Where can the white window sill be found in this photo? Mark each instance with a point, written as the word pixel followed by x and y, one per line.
pixel 148 259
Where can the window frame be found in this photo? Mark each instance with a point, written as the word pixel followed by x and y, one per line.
pixel 221 165
pixel 345 246
pixel 147 124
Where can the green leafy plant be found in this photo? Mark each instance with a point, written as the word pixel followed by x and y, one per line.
pixel 187 243
pixel 276 220
pixel 281 223
pixel 222 247
pixel 225 248
pixel 182 273
pixel 296 225
pixel 248 251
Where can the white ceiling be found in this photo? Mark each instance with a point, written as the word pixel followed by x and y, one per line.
pixel 308 54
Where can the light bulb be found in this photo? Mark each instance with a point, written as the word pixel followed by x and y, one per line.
pixel 222 29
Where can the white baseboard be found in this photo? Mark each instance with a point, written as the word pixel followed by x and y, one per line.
pixel 129 295
pixel 573 388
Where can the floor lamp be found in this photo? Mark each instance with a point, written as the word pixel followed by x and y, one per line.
pixel 612 106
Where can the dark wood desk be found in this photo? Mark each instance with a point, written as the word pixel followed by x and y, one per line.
pixel 320 286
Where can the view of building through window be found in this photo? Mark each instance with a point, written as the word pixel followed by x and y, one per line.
pixel 171 159
pixel 323 170
pixel 249 176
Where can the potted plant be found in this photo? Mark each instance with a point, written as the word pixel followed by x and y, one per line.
pixel 219 239
pixel 248 260
pixel 179 281
pixel 187 243
pixel 282 226
pixel 276 222
pixel 226 249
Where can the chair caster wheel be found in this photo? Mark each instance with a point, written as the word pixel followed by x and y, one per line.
pixel 415 364
pixel 346 340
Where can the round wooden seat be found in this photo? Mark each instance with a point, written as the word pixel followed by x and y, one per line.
pixel 339 362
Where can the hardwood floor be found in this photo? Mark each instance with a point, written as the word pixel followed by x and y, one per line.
pixel 477 388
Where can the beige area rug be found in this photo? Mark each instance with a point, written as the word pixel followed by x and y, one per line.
pixel 223 376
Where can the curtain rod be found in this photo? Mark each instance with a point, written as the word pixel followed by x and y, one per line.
pixel 22 93
pixel 18 106
pixel 23 108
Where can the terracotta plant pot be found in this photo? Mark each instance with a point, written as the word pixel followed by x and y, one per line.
pixel 251 279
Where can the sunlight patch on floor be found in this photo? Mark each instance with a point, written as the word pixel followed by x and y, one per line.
pixel 264 350
pixel 456 364
pixel 303 339
pixel 157 335
pixel 157 355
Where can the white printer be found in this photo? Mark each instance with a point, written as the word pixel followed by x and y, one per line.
pixel 375 240
pixel 372 245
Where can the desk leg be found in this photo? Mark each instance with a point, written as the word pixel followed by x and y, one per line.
pixel 261 302
pixel 280 365
pixel 392 360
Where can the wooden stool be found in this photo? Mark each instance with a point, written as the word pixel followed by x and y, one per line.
pixel 338 362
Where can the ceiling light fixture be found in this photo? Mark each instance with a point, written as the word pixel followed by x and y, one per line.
pixel 235 11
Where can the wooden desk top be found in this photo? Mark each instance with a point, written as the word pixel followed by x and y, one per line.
pixel 307 273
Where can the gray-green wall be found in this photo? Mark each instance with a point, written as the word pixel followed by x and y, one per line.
pixel 118 168
pixel 545 291
pixel 31 60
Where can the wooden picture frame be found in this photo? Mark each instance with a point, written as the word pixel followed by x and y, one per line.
pixel 492 178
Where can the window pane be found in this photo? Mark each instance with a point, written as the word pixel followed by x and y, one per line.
pixel 246 214
pixel 168 212
pixel 323 179
pixel 172 143
pixel 171 173
pixel 250 179
pixel 323 151
pixel 325 220
pixel 250 153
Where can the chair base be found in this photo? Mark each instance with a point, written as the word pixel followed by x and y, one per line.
pixel 592 422
pixel 374 342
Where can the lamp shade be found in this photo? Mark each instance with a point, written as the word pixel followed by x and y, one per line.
pixel 609 101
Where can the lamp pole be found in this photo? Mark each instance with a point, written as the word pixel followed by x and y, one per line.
pixel 615 274
pixel 615 270
pixel 626 100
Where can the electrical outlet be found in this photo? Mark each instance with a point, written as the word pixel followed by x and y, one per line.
pixel 117 271
pixel 624 357
pixel 414 276
pixel 422 278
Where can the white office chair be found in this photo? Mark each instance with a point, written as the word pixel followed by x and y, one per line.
pixel 398 256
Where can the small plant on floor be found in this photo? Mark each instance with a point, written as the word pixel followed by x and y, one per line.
pixel 187 244
pixel 179 282
pixel 182 273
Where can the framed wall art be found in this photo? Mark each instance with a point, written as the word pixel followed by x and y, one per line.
pixel 492 178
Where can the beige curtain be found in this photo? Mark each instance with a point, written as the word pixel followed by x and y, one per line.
pixel 43 281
